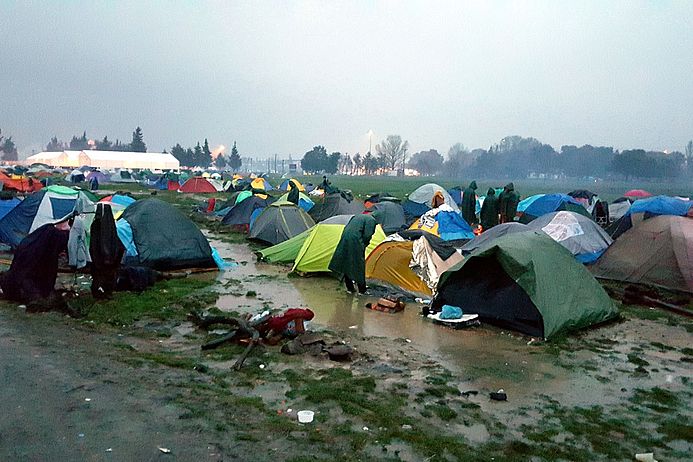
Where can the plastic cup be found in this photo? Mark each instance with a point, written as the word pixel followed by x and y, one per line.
pixel 305 416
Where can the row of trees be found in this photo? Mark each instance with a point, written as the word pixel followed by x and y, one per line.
pixel 8 148
pixel 201 156
pixel 82 143
pixel 391 154
pixel 515 156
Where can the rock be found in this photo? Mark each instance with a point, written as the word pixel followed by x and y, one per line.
pixel 340 352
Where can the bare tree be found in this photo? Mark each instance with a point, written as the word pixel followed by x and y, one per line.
pixel 392 151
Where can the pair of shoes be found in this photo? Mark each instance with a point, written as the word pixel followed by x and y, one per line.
pixel 365 294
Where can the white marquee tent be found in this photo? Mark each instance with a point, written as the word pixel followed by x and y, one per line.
pixel 106 159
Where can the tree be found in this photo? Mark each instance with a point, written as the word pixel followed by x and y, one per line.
pixel 8 148
pixel 205 151
pixel 427 162
pixel 200 158
pixel 181 154
pixel 104 145
pixel 220 162
pixel 371 164
pixel 79 144
pixel 137 143
pixel 234 159
pixel 392 151
pixel 689 156
pixel 358 163
pixel 315 160
pixel 332 163
pixel 459 159
pixel 54 145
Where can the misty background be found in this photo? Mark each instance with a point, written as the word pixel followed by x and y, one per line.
pixel 282 77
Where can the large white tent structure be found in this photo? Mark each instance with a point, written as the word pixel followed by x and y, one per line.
pixel 106 159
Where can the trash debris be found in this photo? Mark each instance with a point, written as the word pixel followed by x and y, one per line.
pixel 340 352
pixel 165 450
pixel 262 366
pixel 81 435
pixel 469 393
pixel 109 450
pixel 353 327
pixel 305 416
pixel 645 457
pixel 406 427
pixel 87 399
pixel 407 340
pixel 365 429
pixel 499 395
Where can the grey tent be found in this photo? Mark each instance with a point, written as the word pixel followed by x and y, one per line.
pixel 391 216
pixel 487 237
pixel 279 222
pixel 584 238
pixel 334 204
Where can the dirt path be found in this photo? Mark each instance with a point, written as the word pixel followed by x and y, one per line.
pixel 49 371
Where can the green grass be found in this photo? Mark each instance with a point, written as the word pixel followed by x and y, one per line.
pixel 171 299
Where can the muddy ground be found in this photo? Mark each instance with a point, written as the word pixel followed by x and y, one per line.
pixel 129 378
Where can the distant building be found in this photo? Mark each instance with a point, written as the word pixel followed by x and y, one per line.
pixel 106 160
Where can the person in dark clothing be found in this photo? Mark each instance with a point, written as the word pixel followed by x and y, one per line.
pixel 94 183
pixel 468 207
pixel 489 210
pixel 349 260
pixel 326 186
pixel 507 203
pixel 34 268
pixel 293 193
pixel 106 252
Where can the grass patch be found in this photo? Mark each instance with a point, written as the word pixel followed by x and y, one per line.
pixel 171 299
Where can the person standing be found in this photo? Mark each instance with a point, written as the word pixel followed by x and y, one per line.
pixel 106 252
pixel 489 210
pixel 468 207
pixel 349 260
pixel 293 196
pixel 508 201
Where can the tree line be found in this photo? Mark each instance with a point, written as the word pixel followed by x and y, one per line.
pixel 201 156
pixel 8 148
pixel 82 143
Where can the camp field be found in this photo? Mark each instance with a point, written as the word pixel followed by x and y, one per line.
pixel 130 377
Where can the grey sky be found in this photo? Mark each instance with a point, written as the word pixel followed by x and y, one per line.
pixel 280 77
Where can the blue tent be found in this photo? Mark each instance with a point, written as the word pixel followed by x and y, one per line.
pixel 552 203
pixel 7 205
pixel 448 225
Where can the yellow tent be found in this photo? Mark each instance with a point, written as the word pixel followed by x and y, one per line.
pixel 389 263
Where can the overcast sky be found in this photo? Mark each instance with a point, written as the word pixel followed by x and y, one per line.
pixel 280 77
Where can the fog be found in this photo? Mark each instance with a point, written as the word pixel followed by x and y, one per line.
pixel 281 77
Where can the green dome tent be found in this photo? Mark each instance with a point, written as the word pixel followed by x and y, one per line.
pixel 529 283
pixel 279 222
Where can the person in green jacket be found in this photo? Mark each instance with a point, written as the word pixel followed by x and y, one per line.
pixel 468 207
pixel 293 196
pixel 508 201
pixel 489 210
pixel 349 260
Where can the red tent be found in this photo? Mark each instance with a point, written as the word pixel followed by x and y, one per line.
pixel 173 185
pixel 20 185
pixel 637 194
pixel 197 184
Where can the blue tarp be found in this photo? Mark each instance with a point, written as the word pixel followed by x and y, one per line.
pixel 451 226
pixel 125 234
pixel 661 205
pixel 15 225
pixel 122 200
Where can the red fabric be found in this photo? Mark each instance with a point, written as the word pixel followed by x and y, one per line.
pixel 637 193
pixel 278 323
pixel 211 204
pixel 23 185
pixel 197 185
pixel 173 185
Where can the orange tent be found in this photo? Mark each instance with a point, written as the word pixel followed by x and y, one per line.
pixel 22 184
pixel 197 185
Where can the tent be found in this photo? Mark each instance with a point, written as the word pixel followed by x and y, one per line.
pixel 646 208
pixel 526 202
pixel 305 202
pixel 285 185
pixel 6 206
pixel 529 283
pixel 619 208
pixel 50 205
pixel 388 264
pixel 419 201
pixel 76 176
pixel 279 222
pixel 444 223
pixel 122 176
pixel 287 251
pixel 197 184
pixel 411 265
pixel 334 204
pixel 319 246
pixel 391 216
pixel 20 184
pixel 487 237
pixel 593 204
pixel 552 203
pixel 261 183
pixel 585 239
pixel 240 214
pixel 456 194
pixel 155 234
pixel 656 251
pixel 100 176
pixel 118 203
pixel 637 194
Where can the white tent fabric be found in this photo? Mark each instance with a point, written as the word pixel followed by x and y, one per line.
pixel 106 159
pixel 424 194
